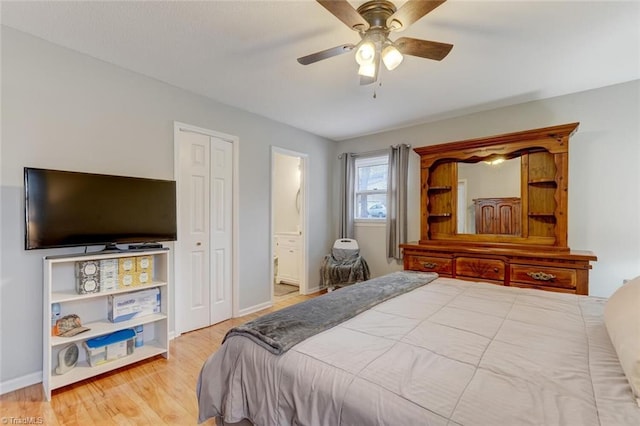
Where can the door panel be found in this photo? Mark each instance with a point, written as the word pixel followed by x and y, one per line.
pixel 199 294
pixel 194 229
pixel 221 232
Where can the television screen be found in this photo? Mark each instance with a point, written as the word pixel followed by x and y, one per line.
pixel 64 209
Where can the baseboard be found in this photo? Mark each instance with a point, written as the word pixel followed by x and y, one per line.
pixel 254 308
pixel 20 382
pixel 312 290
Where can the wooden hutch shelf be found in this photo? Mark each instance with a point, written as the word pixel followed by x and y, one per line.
pixel 524 243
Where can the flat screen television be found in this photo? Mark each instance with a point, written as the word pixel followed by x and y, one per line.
pixel 66 209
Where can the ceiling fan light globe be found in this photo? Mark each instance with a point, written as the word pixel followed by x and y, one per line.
pixel 365 53
pixel 391 57
pixel 367 70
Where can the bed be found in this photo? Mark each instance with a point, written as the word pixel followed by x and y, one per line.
pixel 446 352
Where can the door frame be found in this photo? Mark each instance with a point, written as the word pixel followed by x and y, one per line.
pixel 178 288
pixel 304 216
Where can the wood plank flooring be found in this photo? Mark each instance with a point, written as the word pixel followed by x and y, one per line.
pixel 151 392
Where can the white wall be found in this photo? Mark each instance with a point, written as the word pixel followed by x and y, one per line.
pixel 65 110
pixel 604 154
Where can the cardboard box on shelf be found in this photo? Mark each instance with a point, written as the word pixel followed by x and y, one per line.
pixel 108 275
pixel 127 272
pixel 87 276
pixel 144 269
pixel 144 264
pixel 123 307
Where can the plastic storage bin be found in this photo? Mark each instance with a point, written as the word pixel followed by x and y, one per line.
pixel 110 347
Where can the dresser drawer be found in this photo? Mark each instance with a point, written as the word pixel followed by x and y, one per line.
pixel 441 265
pixel 489 269
pixel 544 276
pixel 543 287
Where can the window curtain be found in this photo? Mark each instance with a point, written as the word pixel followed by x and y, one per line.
pixel 347 166
pixel 397 199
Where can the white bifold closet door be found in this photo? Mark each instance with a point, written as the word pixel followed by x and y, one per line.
pixel 205 230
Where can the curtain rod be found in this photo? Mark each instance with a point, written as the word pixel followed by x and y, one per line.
pixel 377 151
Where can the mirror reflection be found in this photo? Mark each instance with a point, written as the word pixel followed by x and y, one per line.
pixel 489 197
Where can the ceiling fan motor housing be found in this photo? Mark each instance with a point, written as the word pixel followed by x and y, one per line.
pixel 376 13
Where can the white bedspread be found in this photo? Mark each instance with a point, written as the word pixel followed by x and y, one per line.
pixel 451 352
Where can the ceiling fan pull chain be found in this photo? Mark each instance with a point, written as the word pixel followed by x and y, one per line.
pixel 374 88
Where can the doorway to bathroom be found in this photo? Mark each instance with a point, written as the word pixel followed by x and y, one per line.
pixel 288 221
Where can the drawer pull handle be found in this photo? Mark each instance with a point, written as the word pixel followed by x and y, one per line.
pixel 541 276
pixel 429 265
pixel 496 270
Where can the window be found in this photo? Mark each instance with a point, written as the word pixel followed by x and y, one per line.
pixel 371 188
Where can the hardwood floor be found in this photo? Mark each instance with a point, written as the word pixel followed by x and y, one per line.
pixel 152 392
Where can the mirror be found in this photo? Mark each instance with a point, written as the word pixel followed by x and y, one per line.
pixel 489 197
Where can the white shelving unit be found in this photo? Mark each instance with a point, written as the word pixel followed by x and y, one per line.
pixel 60 287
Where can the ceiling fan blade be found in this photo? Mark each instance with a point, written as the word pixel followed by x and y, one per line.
pixel 325 54
pixel 423 48
pixel 342 10
pixel 410 12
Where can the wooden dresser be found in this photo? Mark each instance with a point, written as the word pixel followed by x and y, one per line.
pixel 518 241
pixel 563 272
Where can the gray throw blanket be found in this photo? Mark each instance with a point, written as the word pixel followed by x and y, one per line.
pixel 281 330
pixel 339 269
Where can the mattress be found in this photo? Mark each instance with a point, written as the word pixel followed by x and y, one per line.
pixel 450 353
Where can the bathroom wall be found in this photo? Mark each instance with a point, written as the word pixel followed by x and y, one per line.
pixel 286 184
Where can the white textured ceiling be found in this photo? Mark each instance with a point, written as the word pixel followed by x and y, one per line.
pixel 243 53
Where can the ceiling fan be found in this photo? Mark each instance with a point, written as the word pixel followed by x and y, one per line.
pixel 374 21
